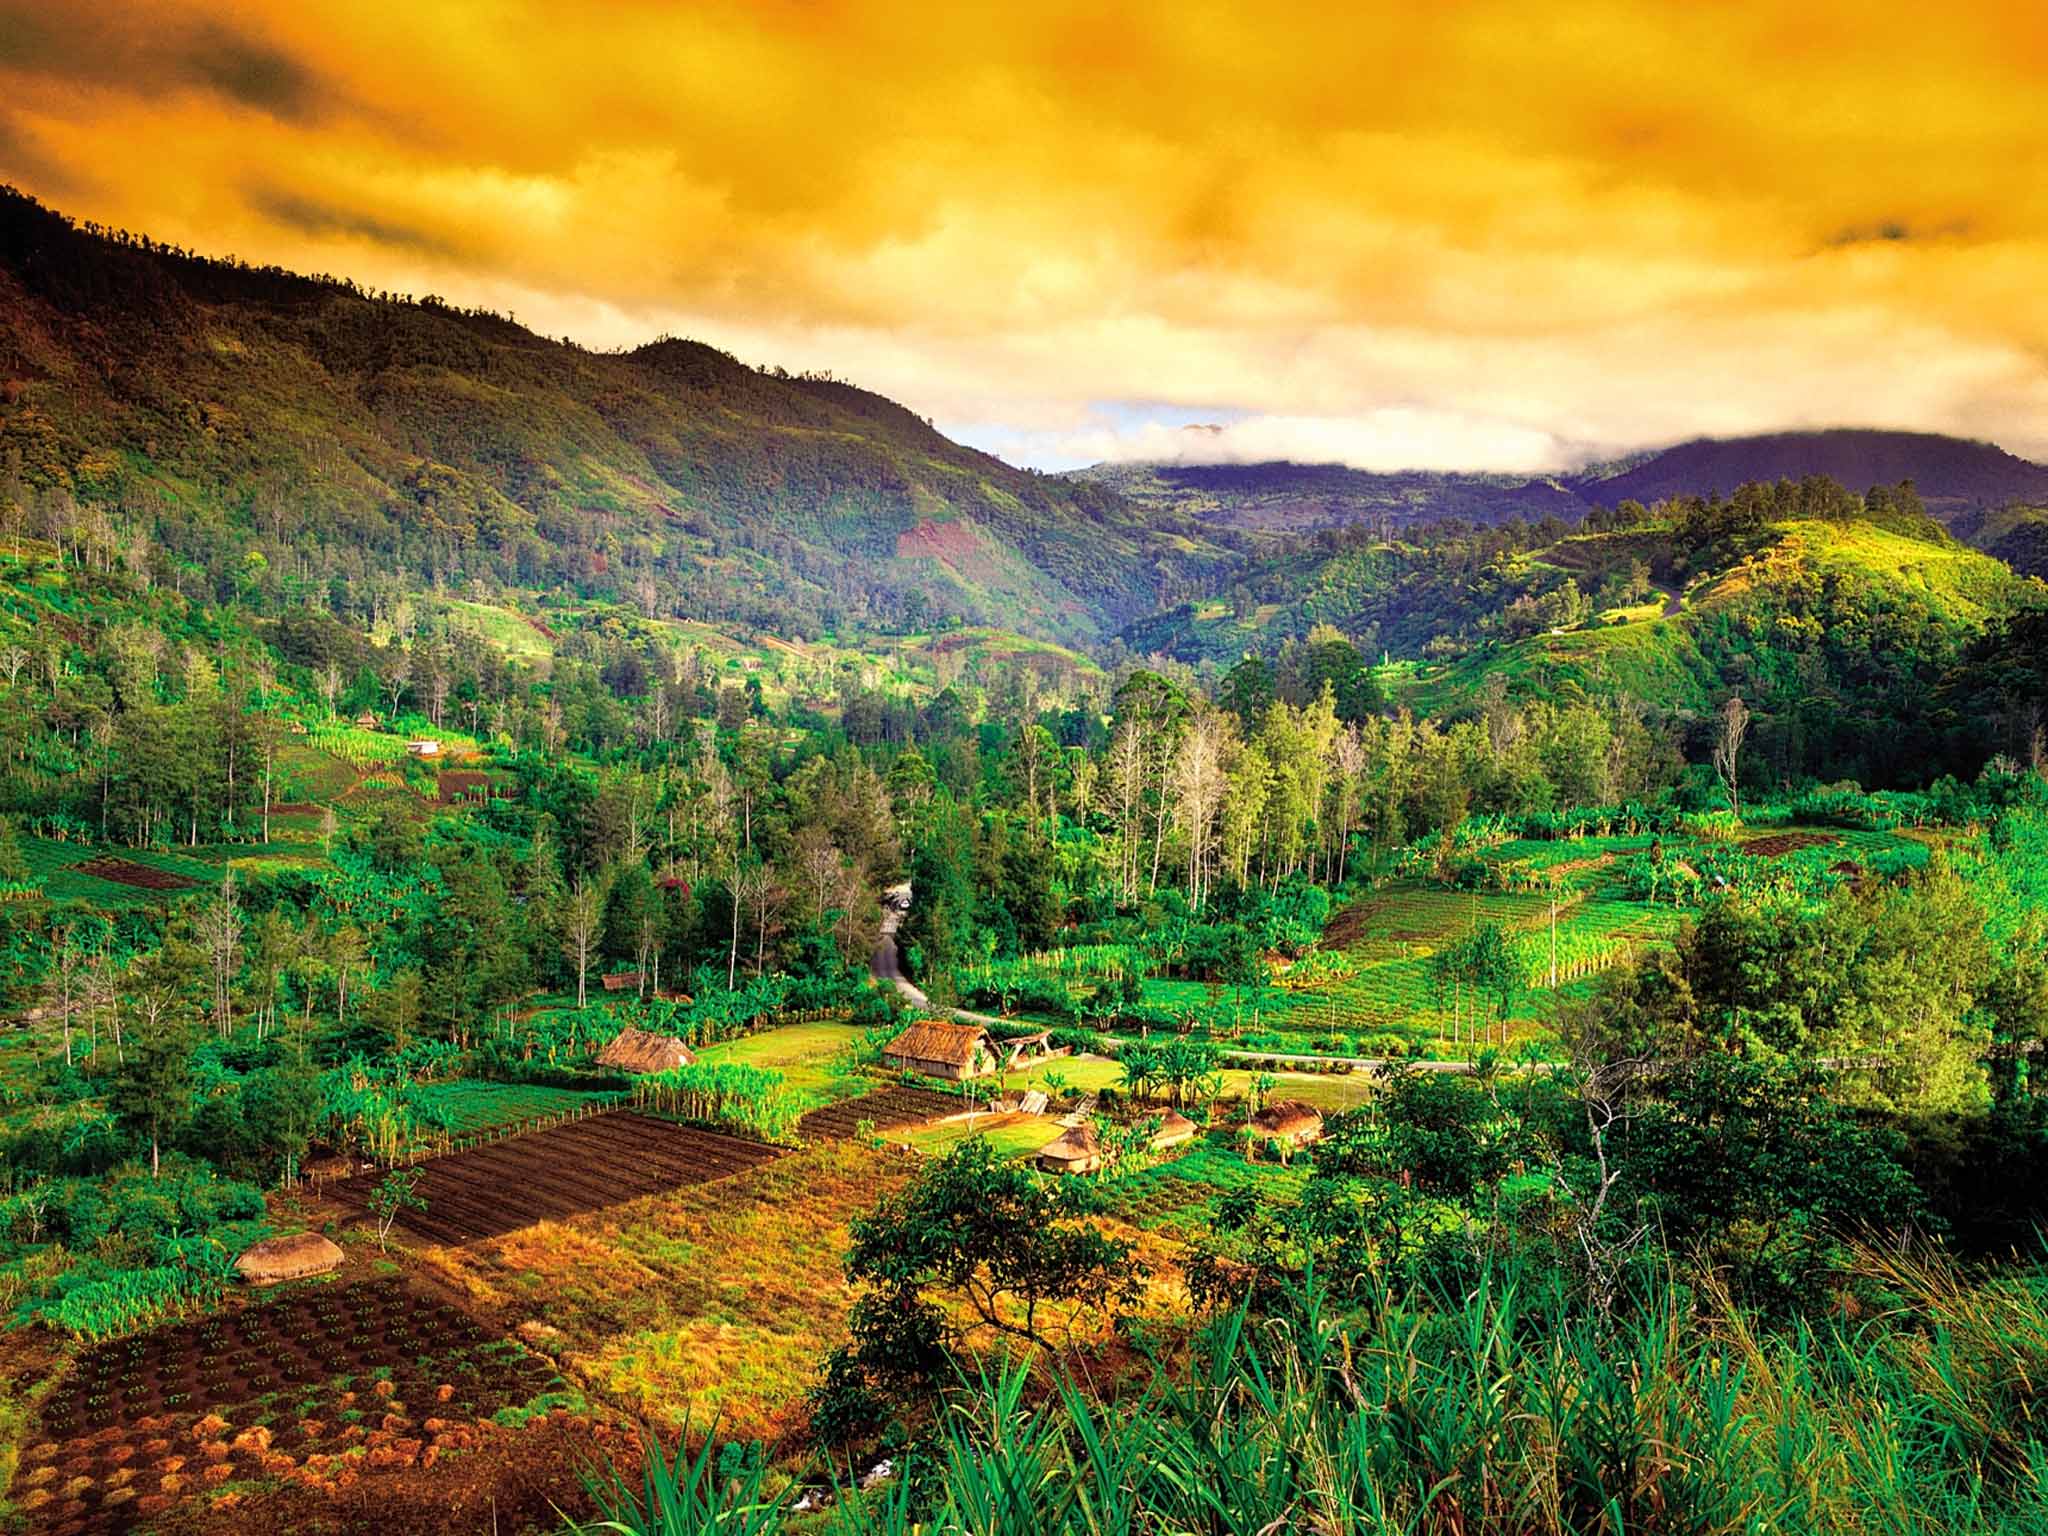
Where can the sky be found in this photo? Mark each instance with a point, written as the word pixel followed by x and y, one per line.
pixel 1475 235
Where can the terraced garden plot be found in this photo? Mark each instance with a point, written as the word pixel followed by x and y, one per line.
pixel 890 1107
pixel 331 1380
pixel 559 1172
pixel 1180 1196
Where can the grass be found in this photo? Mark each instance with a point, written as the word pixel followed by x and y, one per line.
pixel 813 1058
pixel 52 864
pixel 715 1299
pixel 1491 1407
pixel 1010 1135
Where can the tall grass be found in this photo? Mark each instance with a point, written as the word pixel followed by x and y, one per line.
pixel 1499 1410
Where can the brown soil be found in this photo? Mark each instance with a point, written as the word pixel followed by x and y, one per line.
pixel 320 1387
pixel 890 1107
pixel 558 1172
pixel 467 784
pixel 1782 843
pixel 143 876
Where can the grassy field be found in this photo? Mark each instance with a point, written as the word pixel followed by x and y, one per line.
pixel 815 1058
pixel 1011 1135
pixel 713 1300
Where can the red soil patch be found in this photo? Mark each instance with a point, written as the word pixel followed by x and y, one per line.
pixel 1782 843
pixel 562 1171
pixel 468 784
pixel 142 876
pixel 953 545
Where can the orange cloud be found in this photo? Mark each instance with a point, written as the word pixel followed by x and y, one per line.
pixel 1578 225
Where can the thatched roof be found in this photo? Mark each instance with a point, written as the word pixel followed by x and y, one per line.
pixel 1174 1128
pixel 1288 1117
pixel 287 1258
pixel 936 1040
pixel 636 1050
pixel 621 981
pixel 1077 1149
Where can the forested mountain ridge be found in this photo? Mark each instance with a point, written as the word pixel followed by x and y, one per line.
pixel 1963 483
pixel 250 411
pixel 1831 613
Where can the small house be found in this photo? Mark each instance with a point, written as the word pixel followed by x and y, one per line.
pixel 1078 1150
pixel 1175 1130
pixel 365 721
pixel 638 1051
pixel 426 748
pixel 1288 1120
pixel 621 981
pixel 935 1048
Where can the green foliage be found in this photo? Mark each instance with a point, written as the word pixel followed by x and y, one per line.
pixel 732 1096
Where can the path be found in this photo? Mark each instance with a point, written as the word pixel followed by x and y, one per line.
pixel 886 964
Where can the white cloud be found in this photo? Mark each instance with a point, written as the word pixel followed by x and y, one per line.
pixel 1395 438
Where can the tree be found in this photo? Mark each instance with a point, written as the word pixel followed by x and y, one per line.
pixel 152 1088
pixel 978 1229
pixel 396 1193
pixel 220 932
pixel 582 924
pixel 1733 726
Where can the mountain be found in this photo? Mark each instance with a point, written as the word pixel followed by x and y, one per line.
pixel 1284 498
pixel 1830 625
pixel 1961 482
pixel 1956 478
pixel 341 436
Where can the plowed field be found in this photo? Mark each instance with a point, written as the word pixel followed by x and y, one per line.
pixel 333 1382
pixel 546 1175
pixel 891 1106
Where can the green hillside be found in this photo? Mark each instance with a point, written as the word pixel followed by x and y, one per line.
pixel 292 434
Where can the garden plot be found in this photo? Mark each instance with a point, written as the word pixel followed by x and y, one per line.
pixel 890 1107
pixel 548 1175
pixel 320 1388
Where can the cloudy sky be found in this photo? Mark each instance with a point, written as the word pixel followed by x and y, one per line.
pixel 1463 234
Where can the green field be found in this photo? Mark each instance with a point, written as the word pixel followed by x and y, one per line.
pixel 816 1059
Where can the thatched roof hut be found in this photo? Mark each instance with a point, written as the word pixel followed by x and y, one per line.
pixel 621 981
pixel 287 1258
pixel 366 721
pixel 1175 1129
pixel 1289 1120
pixel 636 1050
pixel 1078 1150
pixel 939 1049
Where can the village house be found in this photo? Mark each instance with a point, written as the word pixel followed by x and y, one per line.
pixel 1288 1120
pixel 1079 1148
pixel 934 1048
pixel 638 1051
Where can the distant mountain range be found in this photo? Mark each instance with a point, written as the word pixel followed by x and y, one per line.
pixel 1961 482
